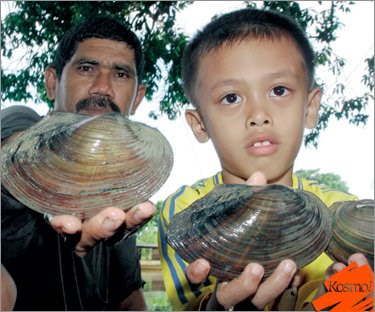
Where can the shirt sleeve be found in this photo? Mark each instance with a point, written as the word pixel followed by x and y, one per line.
pixel 125 269
pixel 182 294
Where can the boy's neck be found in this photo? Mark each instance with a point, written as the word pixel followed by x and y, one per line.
pixel 285 179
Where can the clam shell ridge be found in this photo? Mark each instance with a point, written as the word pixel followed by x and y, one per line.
pixel 236 224
pixel 78 164
pixel 353 230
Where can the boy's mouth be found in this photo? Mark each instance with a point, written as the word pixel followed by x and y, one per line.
pixel 262 146
pixel 263 143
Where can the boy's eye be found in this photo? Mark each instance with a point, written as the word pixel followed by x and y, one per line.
pixel 279 91
pixel 231 98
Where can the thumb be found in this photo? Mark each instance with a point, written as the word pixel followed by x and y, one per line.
pixel 257 178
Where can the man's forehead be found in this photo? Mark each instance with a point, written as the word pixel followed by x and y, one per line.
pixel 104 50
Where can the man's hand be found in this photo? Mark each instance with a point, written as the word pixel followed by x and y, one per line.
pixel 102 226
pixel 249 284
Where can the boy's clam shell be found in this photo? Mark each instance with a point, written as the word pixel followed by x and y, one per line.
pixel 78 164
pixel 353 230
pixel 234 225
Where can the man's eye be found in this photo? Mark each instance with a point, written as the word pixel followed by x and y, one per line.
pixel 84 68
pixel 279 91
pixel 122 75
pixel 231 98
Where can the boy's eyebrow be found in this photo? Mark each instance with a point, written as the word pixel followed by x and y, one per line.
pixel 224 83
pixel 117 66
pixel 282 74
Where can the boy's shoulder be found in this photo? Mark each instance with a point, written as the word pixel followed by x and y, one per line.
pixel 326 194
pixel 187 194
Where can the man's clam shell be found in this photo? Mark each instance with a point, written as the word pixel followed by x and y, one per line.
pixel 78 164
pixel 234 225
pixel 353 230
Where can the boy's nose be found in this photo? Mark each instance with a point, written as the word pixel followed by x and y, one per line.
pixel 102 86
pixel 259 120
pixel 258 116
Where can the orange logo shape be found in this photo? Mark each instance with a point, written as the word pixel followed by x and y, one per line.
pixel 348 290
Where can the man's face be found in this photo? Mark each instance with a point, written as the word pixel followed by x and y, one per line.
pixel 100 77
pixel 254 104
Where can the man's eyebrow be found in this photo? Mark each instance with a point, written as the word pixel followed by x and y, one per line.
pixel 85 61
pixel 124 67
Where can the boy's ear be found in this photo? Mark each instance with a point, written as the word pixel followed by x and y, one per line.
pixel 312 113
pixel 50 80
pixel 196 124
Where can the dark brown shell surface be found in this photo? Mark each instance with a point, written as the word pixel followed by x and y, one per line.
pixel 78 164
pixel 234 225
pixel 353 230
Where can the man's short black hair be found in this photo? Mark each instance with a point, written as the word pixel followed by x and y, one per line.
pixel 99 27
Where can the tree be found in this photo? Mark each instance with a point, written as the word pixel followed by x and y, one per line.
pixel 331 180
pixel 37 26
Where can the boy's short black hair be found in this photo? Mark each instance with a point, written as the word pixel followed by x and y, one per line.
pixel 99 27
pixel 240 25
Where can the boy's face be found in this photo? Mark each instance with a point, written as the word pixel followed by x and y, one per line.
pixel 254 104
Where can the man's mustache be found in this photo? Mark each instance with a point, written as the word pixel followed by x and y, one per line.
pixel 96 102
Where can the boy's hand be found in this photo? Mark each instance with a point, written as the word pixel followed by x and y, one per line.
pixel 333 269
pixel 102 226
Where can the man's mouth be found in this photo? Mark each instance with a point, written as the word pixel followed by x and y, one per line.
pixel 96 105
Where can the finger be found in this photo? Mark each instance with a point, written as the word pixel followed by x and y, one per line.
pixel 257 178
pixel 140 214
pixel 359 258
pixel 197 271
pixel 65 224
pixel 101 226
pixel 274 285
pixel 237 290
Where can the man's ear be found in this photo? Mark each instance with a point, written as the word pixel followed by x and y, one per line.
pixel 141 91
pixel 196 124
pixel 50 80
pixel 312 112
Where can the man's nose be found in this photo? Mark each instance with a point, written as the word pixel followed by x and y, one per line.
pixel 102 86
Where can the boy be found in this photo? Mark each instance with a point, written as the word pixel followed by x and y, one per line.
pixel 250 76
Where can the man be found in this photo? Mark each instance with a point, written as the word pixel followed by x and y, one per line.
pixel 97 69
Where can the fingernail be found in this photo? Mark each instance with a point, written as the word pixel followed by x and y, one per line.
pixel 111 225
pixel 201 268
pixel 255 269
pixel 138 215
pixel 288 266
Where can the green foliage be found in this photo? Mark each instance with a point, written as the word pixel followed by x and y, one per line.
pixel 157 301
pixel 36 26
pixel 148 233
pixel 328 179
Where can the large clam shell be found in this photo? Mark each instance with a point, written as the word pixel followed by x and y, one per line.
pixel 353 230
pixel 234 225
pixel 78 164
